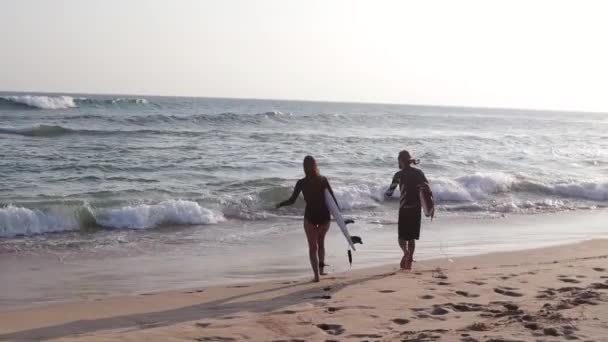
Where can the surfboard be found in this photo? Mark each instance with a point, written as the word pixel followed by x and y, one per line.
pixel 335 213
pixel 426 200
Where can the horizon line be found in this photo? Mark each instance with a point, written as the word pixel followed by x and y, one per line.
pixel 34 92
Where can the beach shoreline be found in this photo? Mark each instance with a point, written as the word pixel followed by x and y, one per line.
pixel 554 292
pixel 71 272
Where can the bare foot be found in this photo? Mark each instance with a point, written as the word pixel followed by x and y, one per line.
pixel 316 280
pixel 403 261
pixel 322 272
pixel 408 264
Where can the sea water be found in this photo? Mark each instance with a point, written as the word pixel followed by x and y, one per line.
pixel 98 176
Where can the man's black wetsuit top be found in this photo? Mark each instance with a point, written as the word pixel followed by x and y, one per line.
pixel 316 211
pixel 408 180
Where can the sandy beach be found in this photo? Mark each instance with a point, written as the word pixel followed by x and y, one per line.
pixel 549 294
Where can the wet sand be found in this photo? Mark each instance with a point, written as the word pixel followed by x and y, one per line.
pixel 550 294
pixel 64 268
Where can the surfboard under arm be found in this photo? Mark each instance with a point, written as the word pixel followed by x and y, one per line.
pixel 335 213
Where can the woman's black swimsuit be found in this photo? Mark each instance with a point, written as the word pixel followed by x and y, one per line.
pixel 316 211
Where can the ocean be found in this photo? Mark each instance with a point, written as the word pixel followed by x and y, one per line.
pixel 100 177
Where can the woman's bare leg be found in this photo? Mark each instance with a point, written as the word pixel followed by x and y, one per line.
pixel 312 238
pixel 322 231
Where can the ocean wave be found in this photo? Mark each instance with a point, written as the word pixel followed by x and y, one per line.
pixel 38 131
pixel 15 221
pixel 144 216
pixel 471 187
pixel 482 186
pixel 64 101
pixel 494 192
pixel 256 200
pixel 119 100
pixel 21 221
pixel 44 130
pixel 39 101
pixel 587 190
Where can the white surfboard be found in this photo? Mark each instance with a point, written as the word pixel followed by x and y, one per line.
pixel 335 212
pixel 426 200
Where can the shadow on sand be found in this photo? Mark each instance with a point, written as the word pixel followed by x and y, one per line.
pixel 207 310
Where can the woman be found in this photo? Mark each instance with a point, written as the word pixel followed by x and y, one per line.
pixel 409 179
pixel 316 214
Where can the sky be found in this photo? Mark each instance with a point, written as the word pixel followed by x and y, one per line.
pixel 544 54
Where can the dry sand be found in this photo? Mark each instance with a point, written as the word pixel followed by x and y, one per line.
pixel 551 294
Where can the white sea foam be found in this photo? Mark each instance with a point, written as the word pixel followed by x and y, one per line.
pixel 586 190
pixel 149 216
pixel 16 221
pixel 471 187
pixel 20 221
pixel 43 102
pixel 359 196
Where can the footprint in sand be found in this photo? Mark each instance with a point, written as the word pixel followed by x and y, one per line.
pixel 599 286
pixel 202 325
pixel 437 311
pixel 477 327
pixel 215 339
pixel 468 339
pixel 286 312
pixel 332 309
pixel 599 269
pixel 466 294
pixel 332 329
pixel 195 291
pixel 322 297
pixel 427 297
pixel 386 291
pixel 532 326
pixel 568 280
pixel 507 291
pixel 443 283
pixel 478 283
pixel 365 336
pixel 238 286
pixel 400 321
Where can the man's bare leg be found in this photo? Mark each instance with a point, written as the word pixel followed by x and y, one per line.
pixel 403 245
pixel 411 246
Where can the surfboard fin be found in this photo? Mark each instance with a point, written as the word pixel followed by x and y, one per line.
pixel 350 258
pixel 349 221
pixel 356 239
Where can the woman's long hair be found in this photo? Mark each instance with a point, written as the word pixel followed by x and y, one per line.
pixel 310 167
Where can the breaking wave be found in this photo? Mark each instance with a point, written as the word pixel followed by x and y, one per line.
pixel 64 101
pixel 20 221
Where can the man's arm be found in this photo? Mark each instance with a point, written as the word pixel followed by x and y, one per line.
pixel 394 184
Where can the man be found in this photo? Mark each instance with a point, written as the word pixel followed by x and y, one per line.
pixel 409 179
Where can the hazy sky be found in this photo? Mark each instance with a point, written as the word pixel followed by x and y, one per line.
pixel 532 54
